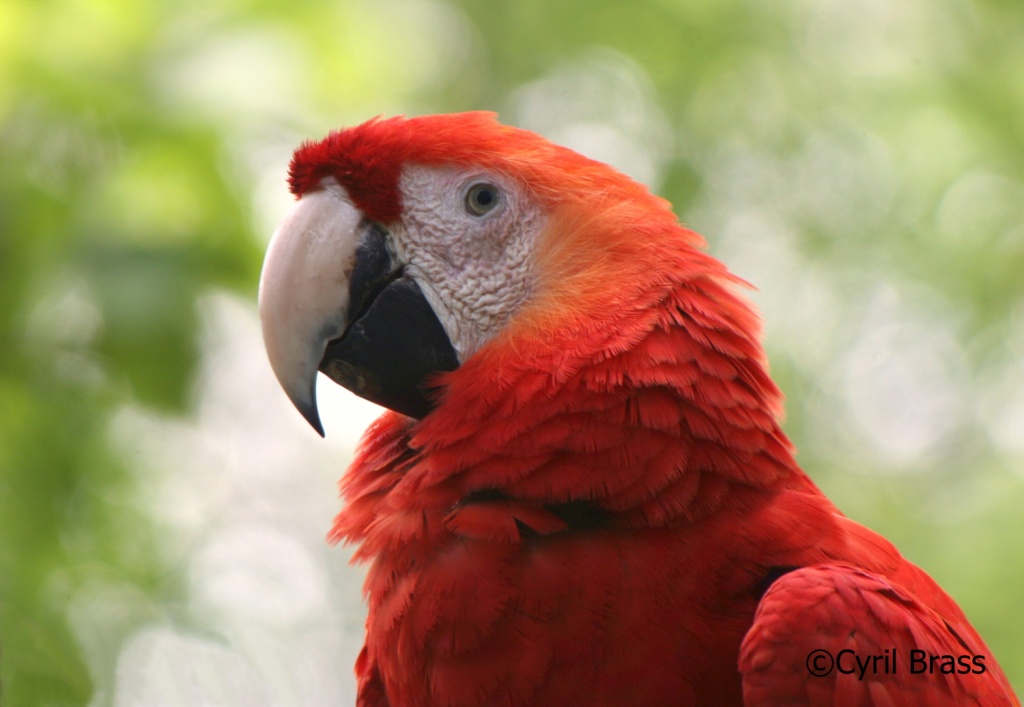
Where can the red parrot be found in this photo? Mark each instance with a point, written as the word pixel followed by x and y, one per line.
pixel 581 493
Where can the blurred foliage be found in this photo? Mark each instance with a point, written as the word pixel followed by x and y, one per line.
pixel 143 151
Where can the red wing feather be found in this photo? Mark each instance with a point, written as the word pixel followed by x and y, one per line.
pixel 838 635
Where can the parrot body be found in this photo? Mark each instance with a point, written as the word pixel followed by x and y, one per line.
pixel 582 494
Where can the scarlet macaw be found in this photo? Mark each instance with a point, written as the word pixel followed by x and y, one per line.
pixel 581 493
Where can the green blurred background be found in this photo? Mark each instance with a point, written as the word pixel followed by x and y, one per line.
pixel 162 510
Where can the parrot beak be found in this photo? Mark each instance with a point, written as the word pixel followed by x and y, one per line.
pixel 334 297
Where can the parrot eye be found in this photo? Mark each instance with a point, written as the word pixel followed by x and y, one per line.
pixel 482 198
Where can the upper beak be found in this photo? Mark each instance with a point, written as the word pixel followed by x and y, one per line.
pixel 334 297
pixel 304 294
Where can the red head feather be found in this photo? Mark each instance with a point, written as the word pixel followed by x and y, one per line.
pixel 367 160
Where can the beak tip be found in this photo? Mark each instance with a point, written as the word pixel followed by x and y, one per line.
pixel 314 422
pixel 312 415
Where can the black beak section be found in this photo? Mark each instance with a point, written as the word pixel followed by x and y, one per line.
pixel 394 340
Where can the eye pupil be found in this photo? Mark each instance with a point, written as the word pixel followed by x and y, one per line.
pixel 481 198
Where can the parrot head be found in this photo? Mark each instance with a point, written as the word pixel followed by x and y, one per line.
pixel 417 244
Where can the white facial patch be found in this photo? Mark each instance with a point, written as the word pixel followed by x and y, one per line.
pixel 474 269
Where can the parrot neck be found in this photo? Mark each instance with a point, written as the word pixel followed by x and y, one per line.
pixel 662 415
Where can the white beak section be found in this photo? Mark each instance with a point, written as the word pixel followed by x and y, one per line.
pixel 304 290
